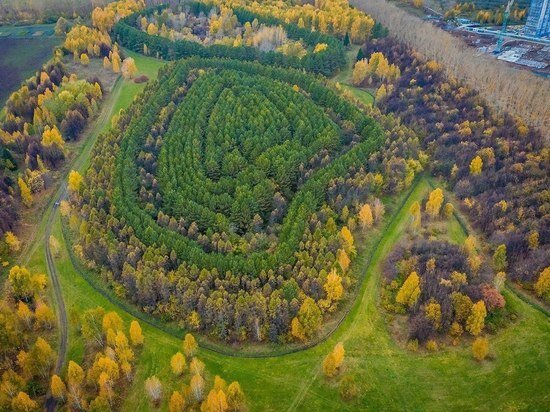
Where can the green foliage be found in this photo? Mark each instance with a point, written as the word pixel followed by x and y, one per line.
pixel 325 63
pixel 217 174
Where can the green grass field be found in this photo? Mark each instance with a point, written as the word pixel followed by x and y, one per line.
pixel 390 377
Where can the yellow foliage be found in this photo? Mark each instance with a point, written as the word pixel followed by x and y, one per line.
pixel 136 336
pixel 116 61
pixel 348 240
pixel 235 397
pixel 129 68
pixel 58 388
pixel 333 287
pixel 381 92
pixel 23 403
pixel 216 401
pixel 26 195
pixel 152 29
pixel 297 330
pixel 448 210
pixel 111 320
pixel 333 361
pixel 435 200
pixel 365 216
pixel 343 260
pixel 329 365
pixel 542 286
pixel 416 215
pixel 177 402
pixel 476 320
pixel 75 181
pixel 178 364
pixel 476 165
pixel 432 311
pixel 432 346
pixel 410 291
pixel 320 47
pixel 480 348
pixel 24 313
pixel 189 345
pixel 533 239
pixel 84 59
pixel 359 72
pixel 12 241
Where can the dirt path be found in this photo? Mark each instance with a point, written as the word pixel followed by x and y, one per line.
pixel 60 302
pixel 46 227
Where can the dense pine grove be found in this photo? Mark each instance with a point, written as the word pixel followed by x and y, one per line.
pixel 233 227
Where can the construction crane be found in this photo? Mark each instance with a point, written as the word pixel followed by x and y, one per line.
pixel 500 40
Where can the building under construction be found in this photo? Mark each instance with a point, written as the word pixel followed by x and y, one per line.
pixel 538 20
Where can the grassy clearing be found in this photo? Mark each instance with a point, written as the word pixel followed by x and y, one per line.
pixel 344 78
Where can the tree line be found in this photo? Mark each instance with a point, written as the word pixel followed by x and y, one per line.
pixel 326 62
pixel 514 91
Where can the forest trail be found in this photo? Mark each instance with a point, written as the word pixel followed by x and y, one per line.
pixel 46 224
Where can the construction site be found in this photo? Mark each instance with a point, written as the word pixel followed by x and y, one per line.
pixel 524 46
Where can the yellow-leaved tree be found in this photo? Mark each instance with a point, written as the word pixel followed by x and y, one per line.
pixel 58 388
pixel 542 286
pixel 177 363
pixel 308 321
pixel 348 240
pixel 480 348
pixel 129 68
pixel 476 320
pixel 476 165
pixel 416 214
pixel 435 200
pixel 26 195
pixel 359 72
pixel 410 291
pixel 84 59
pixel 333 361
pixel 177 402
pixel 12 241
pixel 22 402
pixel 343 260
pixel 216 401
pixel 136 335
pixel 365 216
pixel 75 181
pixel 333 288
pixel 189 345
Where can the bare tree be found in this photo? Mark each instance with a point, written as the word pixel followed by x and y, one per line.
pixel 516 91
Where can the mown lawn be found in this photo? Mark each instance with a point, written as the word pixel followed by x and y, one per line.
pixel 390 377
